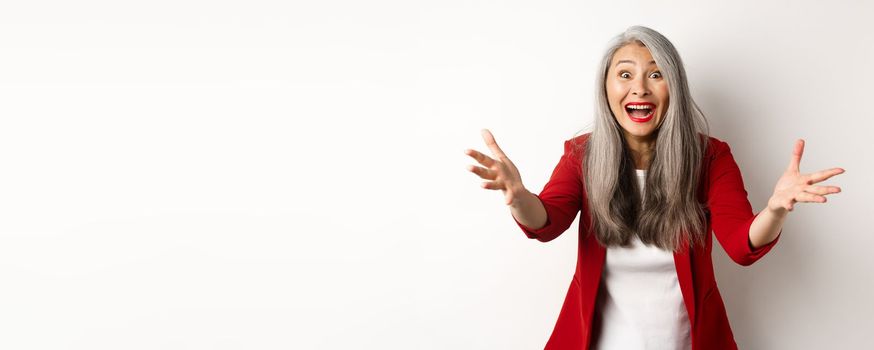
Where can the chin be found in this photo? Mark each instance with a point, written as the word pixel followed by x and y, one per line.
pixel 642 130
pixel 642 133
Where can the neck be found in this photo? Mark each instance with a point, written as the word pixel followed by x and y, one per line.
pixel 641 150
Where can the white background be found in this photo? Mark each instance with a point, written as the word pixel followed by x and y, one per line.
pixel 291 175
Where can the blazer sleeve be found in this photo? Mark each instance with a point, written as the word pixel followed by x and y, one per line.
pixel 561 196
pixel 730 209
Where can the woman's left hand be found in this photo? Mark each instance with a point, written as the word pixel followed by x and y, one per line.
pixel 795 187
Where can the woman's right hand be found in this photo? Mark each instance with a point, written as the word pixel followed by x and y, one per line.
pixel 501 171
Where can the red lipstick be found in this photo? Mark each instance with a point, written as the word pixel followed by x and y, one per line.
pixel 640 112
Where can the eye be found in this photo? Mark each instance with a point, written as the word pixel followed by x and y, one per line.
pixel 625 75
pixel 655 75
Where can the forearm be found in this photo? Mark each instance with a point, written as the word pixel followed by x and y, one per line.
pixel 766 226
pixel 528 210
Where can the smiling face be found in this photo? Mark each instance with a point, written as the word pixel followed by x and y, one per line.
pixel 637 92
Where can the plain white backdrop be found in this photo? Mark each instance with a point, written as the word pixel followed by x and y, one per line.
pixel 291 175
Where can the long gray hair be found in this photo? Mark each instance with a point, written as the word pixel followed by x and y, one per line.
pixel 670 213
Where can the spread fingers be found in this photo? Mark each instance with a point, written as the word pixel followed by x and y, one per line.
pixel 483 159
pixel 823 175
pixel 822 189
pixel 482 172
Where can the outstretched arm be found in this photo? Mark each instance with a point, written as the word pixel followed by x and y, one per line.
pixel 525 207
pixel 791 188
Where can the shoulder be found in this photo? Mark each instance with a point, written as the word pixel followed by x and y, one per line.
pixel 715 148
pixel 576 146
pixel 718 159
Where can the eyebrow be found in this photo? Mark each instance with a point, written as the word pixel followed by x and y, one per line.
pixel 632 62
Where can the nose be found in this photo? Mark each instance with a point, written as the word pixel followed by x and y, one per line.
pixel 639 87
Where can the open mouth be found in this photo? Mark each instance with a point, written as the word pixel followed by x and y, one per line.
pixel 640 112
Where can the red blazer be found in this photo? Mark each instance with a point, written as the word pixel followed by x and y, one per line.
pixel 729 216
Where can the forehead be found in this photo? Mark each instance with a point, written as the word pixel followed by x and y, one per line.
pixel 632 54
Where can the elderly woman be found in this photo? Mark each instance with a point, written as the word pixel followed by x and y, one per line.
pixel 651 185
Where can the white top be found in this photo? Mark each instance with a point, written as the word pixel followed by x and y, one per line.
pixel 640 303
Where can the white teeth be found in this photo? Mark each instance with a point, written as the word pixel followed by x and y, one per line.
pixel 638 107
